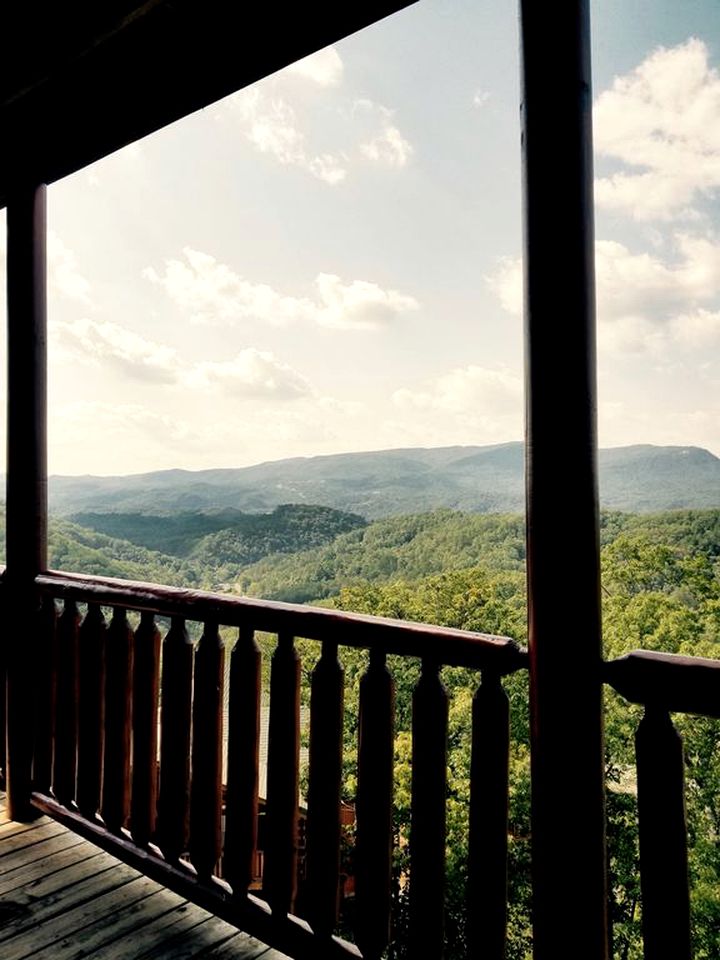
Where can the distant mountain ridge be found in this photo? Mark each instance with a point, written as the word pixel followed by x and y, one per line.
pixel 392 482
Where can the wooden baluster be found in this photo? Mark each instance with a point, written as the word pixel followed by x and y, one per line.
pixel 67 704
pixel 487 853
pixel 45 707
pixel 241 818
pixel 373 854
pixel 91 710
pixel 663 838
pixel 146 685
pixel 206 792
pixel 174 798
pixel 323 824
pixel 427 830
pixel 280 871
pixel 118 718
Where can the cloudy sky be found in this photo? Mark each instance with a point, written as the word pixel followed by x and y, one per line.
pixel 329 260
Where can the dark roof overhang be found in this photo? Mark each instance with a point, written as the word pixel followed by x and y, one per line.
pixel 84 78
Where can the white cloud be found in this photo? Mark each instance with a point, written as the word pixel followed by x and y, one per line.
pixel 645 302
pixel 472 390
pixel 480 98
pixel 213 293
pixel 697 329
pixel 267 115
pixel 506 282
pixel 663 120
pixel 107 342
pixel 359 305
pixel 324 67
pixel 63 275
pixel 251 374
pixel 630 283
pixel 385 145
pixel 271 125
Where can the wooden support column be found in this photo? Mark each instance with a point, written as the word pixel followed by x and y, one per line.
pixel 26 475
pixel 568 820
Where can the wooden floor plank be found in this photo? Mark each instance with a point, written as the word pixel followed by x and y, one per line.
pixel 70 924
pixel 25 873
pixel 119 926
pixel 57 887
pixel 61 897
pixel 41 913
pixel 243 947
pixel 28 838
pixel 160 930
pixel 10 827
pixel 195 942
pixel 38 852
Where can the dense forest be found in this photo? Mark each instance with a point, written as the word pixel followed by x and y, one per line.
pixel 661 591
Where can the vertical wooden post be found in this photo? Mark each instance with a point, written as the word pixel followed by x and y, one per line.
pixel 66 720
pixel 207 732
pixel 663 838
pixel 374 808
pixel 561 474
pixel 429 803
pixel 115 805
pixel 324 796
pixel 175 725
pixel 26 472
pixel 241 822
pixel 91 708
pixel 488 835
pixel 146 692
pixel 281 843
pixel 46 661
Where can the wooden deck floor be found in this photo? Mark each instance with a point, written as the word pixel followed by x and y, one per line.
pixel 64 898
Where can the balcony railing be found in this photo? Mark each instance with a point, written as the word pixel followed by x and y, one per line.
pixel 130 741
pixel 151 746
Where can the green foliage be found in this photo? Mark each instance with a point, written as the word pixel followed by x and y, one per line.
pixel 661 591
pixel 222 537
pixel 396 548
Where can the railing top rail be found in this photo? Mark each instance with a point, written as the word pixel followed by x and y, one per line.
pixel 443 644
pixel 667 681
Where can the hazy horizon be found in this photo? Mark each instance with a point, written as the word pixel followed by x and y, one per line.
pixel 312 456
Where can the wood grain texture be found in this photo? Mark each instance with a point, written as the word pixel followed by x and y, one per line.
pixel 241 819
pixel 206 790
pixel 176 714
pixel 146 690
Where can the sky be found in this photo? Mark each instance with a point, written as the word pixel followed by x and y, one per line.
pixel 329 260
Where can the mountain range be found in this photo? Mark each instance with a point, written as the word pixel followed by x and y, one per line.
pixel 393 482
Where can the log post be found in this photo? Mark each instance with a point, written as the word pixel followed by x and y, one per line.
pixel 561 477
pixel 26 474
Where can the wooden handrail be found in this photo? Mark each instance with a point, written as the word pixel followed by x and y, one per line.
pixel 443 644
pixel 669 681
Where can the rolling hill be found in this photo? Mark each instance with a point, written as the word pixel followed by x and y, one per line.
pixel 393 482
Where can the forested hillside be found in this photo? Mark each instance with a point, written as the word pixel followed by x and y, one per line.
pixel 392 482
pixel 219 537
